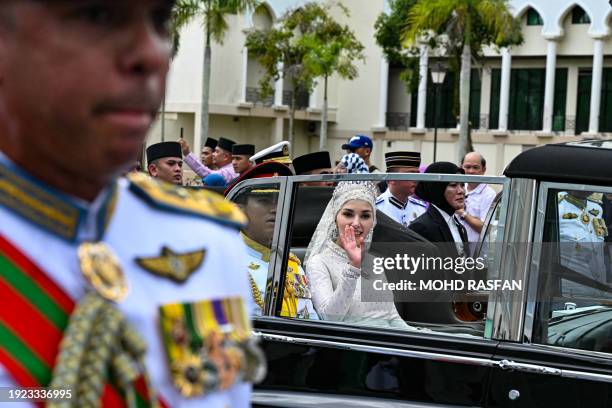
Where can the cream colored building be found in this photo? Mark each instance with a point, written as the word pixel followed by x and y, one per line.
pixel 555 87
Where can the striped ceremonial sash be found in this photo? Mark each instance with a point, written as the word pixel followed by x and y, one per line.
pixel 34 311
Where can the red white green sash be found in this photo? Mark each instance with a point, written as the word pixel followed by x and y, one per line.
pixel 34 312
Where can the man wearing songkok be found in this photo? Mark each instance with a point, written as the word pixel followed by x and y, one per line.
pixel 165 162
pixel 222 158
pixel 312 164
pixel 259 204
pixel 241 154
pixel 399 201
pixel 206 156
pixel 125 291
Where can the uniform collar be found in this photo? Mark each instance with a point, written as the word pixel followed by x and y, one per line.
pixel 64 216
pixel 256 246
pixel 394 201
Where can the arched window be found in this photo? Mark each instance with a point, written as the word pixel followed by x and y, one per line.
pixel 579 16
pixel 534 18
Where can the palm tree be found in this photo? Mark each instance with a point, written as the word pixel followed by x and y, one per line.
pixel 213 14
pixel 464 26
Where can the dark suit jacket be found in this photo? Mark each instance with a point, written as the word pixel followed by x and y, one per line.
pixel 432 226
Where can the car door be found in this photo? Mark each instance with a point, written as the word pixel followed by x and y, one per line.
pixel 561 355
pixel 317 362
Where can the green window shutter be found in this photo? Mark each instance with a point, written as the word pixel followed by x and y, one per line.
pixel 560 99
pixel 495 95
pixel 583 102
pixel 475 90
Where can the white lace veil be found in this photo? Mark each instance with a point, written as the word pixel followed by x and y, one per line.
pixel 327 229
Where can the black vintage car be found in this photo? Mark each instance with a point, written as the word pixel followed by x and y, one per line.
pixel 548 344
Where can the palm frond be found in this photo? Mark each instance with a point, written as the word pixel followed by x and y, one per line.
pixel 428 15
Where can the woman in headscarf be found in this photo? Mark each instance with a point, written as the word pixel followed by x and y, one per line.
pixel 439 223
pixel 335 254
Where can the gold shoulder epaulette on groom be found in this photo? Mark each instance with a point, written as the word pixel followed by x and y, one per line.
pixel 200 202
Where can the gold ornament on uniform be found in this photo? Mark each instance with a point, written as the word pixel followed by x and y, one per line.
pixel 569 216
pixel 101 268
pixel 585 218
pixel 173 265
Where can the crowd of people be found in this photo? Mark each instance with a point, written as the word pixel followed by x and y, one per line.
pixel 224 162
pixel 327 285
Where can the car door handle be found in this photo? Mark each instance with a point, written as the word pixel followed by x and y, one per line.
pixel 509 365
pixel 528 368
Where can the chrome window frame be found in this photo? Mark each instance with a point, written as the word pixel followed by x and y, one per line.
pixel 290 192
pixel 273 280
pixel 505 319
pixel 534 272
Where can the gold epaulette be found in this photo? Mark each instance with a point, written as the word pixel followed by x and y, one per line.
pixel 198 202
pixel 294 258
pixel 596 198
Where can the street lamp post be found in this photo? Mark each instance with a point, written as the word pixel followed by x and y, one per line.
pixel 438 72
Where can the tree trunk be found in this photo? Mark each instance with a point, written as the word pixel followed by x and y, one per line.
pixel 205 91
pixel 464 101
pixel 323 136
pixel 292 117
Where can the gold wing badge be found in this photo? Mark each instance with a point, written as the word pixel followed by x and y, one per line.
pixel 173 265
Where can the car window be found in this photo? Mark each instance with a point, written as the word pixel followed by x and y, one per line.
pixel 575 289
pixel 379 292
pixel 488 245
pixel 260 204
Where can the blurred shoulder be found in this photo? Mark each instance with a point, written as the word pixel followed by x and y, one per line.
pixel 193 203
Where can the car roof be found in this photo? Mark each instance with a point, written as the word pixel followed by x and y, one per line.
pixel 583 162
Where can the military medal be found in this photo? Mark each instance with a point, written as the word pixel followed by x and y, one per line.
pixel 569 216
pixel 585 218
pixel 207 345
pixel 101 268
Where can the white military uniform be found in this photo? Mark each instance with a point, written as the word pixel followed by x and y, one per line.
pixel 257 267
pixel 136 227
pixel 581 234
pixel 404 213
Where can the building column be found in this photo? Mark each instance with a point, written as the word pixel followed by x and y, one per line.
pixel 245 68
pixel 596 85
pixel 383 90
pixel 248 23
pixel 485 99
pixel 278 87
pixel 504 92
pixel 549 87
pixel 278 133
pixel 422 93
pixel 572 100
pixel 197 133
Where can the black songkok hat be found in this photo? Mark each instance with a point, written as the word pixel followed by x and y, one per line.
pixel 243 149
pixel 402 159
pixel 164 149
pixel 311 161
pixel 225 144
pixel 210 142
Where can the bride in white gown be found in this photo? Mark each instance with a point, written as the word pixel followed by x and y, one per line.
pixel 334 257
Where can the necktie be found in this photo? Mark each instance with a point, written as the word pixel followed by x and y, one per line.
pixel 462 231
